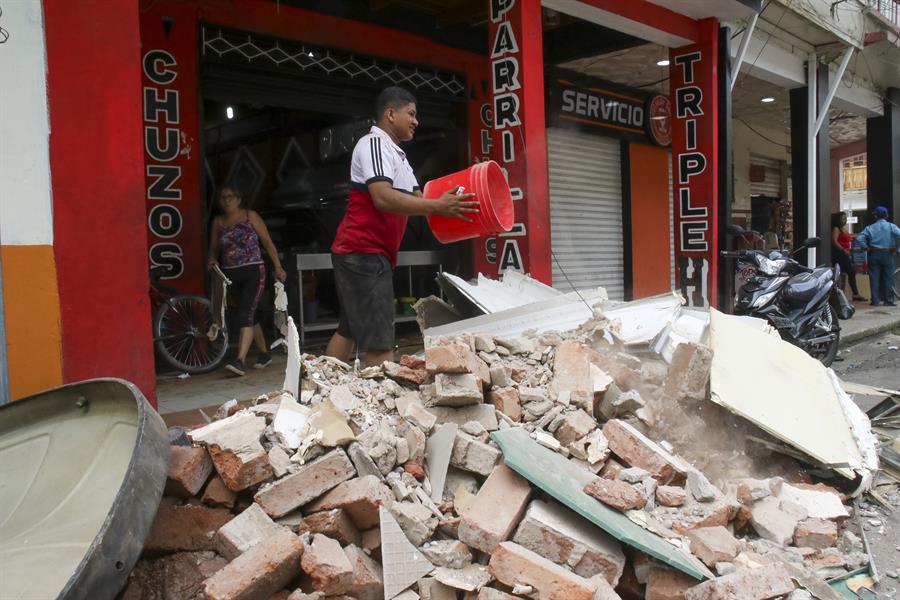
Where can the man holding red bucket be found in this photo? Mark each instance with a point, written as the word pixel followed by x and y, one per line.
pixel 383 194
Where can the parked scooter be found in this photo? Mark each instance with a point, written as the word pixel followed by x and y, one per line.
pixel 803 304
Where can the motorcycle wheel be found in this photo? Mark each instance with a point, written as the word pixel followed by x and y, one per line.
pixel 826 353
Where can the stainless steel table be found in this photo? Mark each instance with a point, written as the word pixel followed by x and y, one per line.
pixel 322 262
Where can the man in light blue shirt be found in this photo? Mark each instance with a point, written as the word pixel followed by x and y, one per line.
pixel 880 239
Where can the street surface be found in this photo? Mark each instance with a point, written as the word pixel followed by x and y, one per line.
pixel 876 361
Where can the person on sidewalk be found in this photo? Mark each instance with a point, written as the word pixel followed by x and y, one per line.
pixel 383 194
pixel 840 251
pixel 880 240
pixel 238 233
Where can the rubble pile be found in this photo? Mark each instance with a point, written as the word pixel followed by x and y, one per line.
pixel 387 483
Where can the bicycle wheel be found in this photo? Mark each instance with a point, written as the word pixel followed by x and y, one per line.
pixel 896 284
pixel 179 331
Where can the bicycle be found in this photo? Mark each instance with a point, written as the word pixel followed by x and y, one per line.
pixel 181 324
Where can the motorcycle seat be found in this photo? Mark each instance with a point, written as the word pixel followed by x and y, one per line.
pixel 801 288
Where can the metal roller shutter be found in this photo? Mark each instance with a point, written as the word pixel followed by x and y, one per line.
pixel 671 228
pixel 771 187
pixel 586 211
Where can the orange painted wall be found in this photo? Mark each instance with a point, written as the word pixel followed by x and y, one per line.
pixel 31 307
pixel 650 227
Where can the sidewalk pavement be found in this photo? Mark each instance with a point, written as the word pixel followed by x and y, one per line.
pixel 869 321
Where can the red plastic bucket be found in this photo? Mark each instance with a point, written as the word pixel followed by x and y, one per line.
pixel 495 210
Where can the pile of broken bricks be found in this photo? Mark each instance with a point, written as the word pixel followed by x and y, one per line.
pixel 390 482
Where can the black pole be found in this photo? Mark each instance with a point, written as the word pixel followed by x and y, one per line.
pixel 726 168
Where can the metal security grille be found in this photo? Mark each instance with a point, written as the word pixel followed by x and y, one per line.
pixel 586 211
pixel 289 54
pixel 771 187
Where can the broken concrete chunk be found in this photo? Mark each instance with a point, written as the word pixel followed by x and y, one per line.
pixel 483 413
pixel 260 572
pixel 616 403
pixel 515 344
pixel 438 452
pixel 638 450
pixel 470 578
pixel 235 448
pixel 291 422
pixel 244 531
pixel 452 554
pixel 330 425
pixel 496 510
pixel 360 498
pixel 343 399
pixel 632 475
pixel 816 533
pixel 772 523
pixel 562 536
pixel 572 374
pixel 384 455
pixel 713 545
pixel 416 521
pixel 362 461
pixel 484 343
pixel 575 425
pixel 471 455
pixel 500 376
pixel 617 494
pixel 189 468
pixel 512 565
pixel 749 491
pixel 689 370
pixel 418 415
pixel 327 566
pixel 279 461
pixel 818 504
pixel 768 581
pixel 700 487
pixel 457 390
pixel 334 523
pixel 308 483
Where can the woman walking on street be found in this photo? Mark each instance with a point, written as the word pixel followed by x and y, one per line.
pixel 840 252
pixel 238 234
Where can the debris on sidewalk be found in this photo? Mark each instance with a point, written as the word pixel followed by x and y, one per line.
pixel 603 460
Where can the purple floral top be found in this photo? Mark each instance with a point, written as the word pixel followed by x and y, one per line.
pixel 240 245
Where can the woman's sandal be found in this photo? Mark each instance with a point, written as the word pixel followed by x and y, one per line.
pixel 858 298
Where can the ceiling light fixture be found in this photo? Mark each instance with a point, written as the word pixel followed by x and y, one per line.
pixel 229 112
pixel 663 62
pixel 767 100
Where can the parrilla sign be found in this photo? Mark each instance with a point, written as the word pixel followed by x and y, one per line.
pixel 693 73
pixel 171 157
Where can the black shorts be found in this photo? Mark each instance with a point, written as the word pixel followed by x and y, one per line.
pixel 365 286
pixel 247 283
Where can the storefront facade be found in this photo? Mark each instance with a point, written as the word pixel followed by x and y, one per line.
pixel 146 84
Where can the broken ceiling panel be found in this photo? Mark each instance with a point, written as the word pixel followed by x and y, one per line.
pixel 792 397
pixel 490 295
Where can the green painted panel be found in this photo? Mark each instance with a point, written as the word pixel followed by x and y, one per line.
pixel 565 481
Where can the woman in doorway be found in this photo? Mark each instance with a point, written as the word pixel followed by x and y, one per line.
pixel 840 252
pixel 239 234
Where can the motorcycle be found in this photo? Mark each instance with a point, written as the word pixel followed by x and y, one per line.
pixel 803 304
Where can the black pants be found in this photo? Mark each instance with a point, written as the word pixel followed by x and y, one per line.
pixel 248 282
pixel 843 261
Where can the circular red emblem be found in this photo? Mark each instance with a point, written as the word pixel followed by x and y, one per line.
pixel 659 119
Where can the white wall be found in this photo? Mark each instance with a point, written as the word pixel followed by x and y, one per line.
pixel 26 216
pixel 747 142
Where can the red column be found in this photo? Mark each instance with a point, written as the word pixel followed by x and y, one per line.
pixel 693 83
pixel 97 167
pixel 518 139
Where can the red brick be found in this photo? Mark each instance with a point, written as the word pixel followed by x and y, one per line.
pixel 260 572
pixel 368 579
pixel 189 468
pixel 816 533
pixel 412 362
pixel 769 581
pixel 512 565
pixel 447 358
pixel 360 498
pixel 639 451
pixel 713 545
pixel 666 584
pixel 185 528
pixel 669 495
pixel 415 377
pixel 241 471
pixel 617 494
pixel 572 373
pixel 496 510
pixel 415 469
pixel 327 565
pixel 718 513
pixel 507 402
pixel 217 494
pixel 307 484
pixel 244 531
pixel 334 523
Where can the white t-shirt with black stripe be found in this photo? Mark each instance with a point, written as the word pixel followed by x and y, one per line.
pixel 377 158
